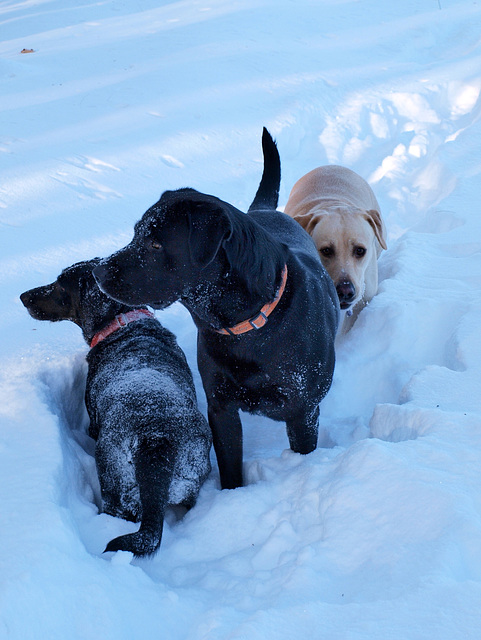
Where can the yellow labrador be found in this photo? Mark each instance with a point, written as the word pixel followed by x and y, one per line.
pixel 340 211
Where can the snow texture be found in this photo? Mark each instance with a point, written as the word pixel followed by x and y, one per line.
pixel 377 536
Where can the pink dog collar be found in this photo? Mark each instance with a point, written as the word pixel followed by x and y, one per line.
pixel 120 321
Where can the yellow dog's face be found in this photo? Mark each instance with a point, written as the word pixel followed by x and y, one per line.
pixel 349 242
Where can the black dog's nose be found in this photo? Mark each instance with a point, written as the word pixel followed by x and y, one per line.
pixel 26 297
pixel 346 292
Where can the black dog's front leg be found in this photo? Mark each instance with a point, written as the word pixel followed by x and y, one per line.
pixel 226 429
pixel 302 431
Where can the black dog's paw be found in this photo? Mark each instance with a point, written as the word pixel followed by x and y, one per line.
pixel 141 543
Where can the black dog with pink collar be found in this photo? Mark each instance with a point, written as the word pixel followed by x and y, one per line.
pixel 152 442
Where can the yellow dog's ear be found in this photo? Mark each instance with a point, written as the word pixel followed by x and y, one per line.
pixel 306 215
pixel 374 218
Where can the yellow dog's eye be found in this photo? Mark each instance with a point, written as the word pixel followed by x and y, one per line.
pixel 327 252
pixel 359 252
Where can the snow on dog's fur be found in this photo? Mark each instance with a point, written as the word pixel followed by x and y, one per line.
pixel 230 270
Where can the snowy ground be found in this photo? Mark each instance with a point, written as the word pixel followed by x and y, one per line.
pixel 378 537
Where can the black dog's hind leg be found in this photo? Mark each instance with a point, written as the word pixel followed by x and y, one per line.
pixel 226 429
pixel 302 431
pixel 154 467
pixel 118 486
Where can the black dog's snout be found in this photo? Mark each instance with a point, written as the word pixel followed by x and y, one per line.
pixel 30 297
pixel 346 292
pixel 110 281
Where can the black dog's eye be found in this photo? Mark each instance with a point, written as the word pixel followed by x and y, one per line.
pixel 60 295
pixel 359 252
pixel 327 252
pixel 155 245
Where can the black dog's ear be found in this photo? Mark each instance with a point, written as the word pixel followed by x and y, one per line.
pixel 209 226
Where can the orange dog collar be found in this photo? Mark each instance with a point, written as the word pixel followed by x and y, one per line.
pixel 259 320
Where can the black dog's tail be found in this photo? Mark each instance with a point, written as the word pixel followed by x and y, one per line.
pixel 267 195
pixel 154 466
